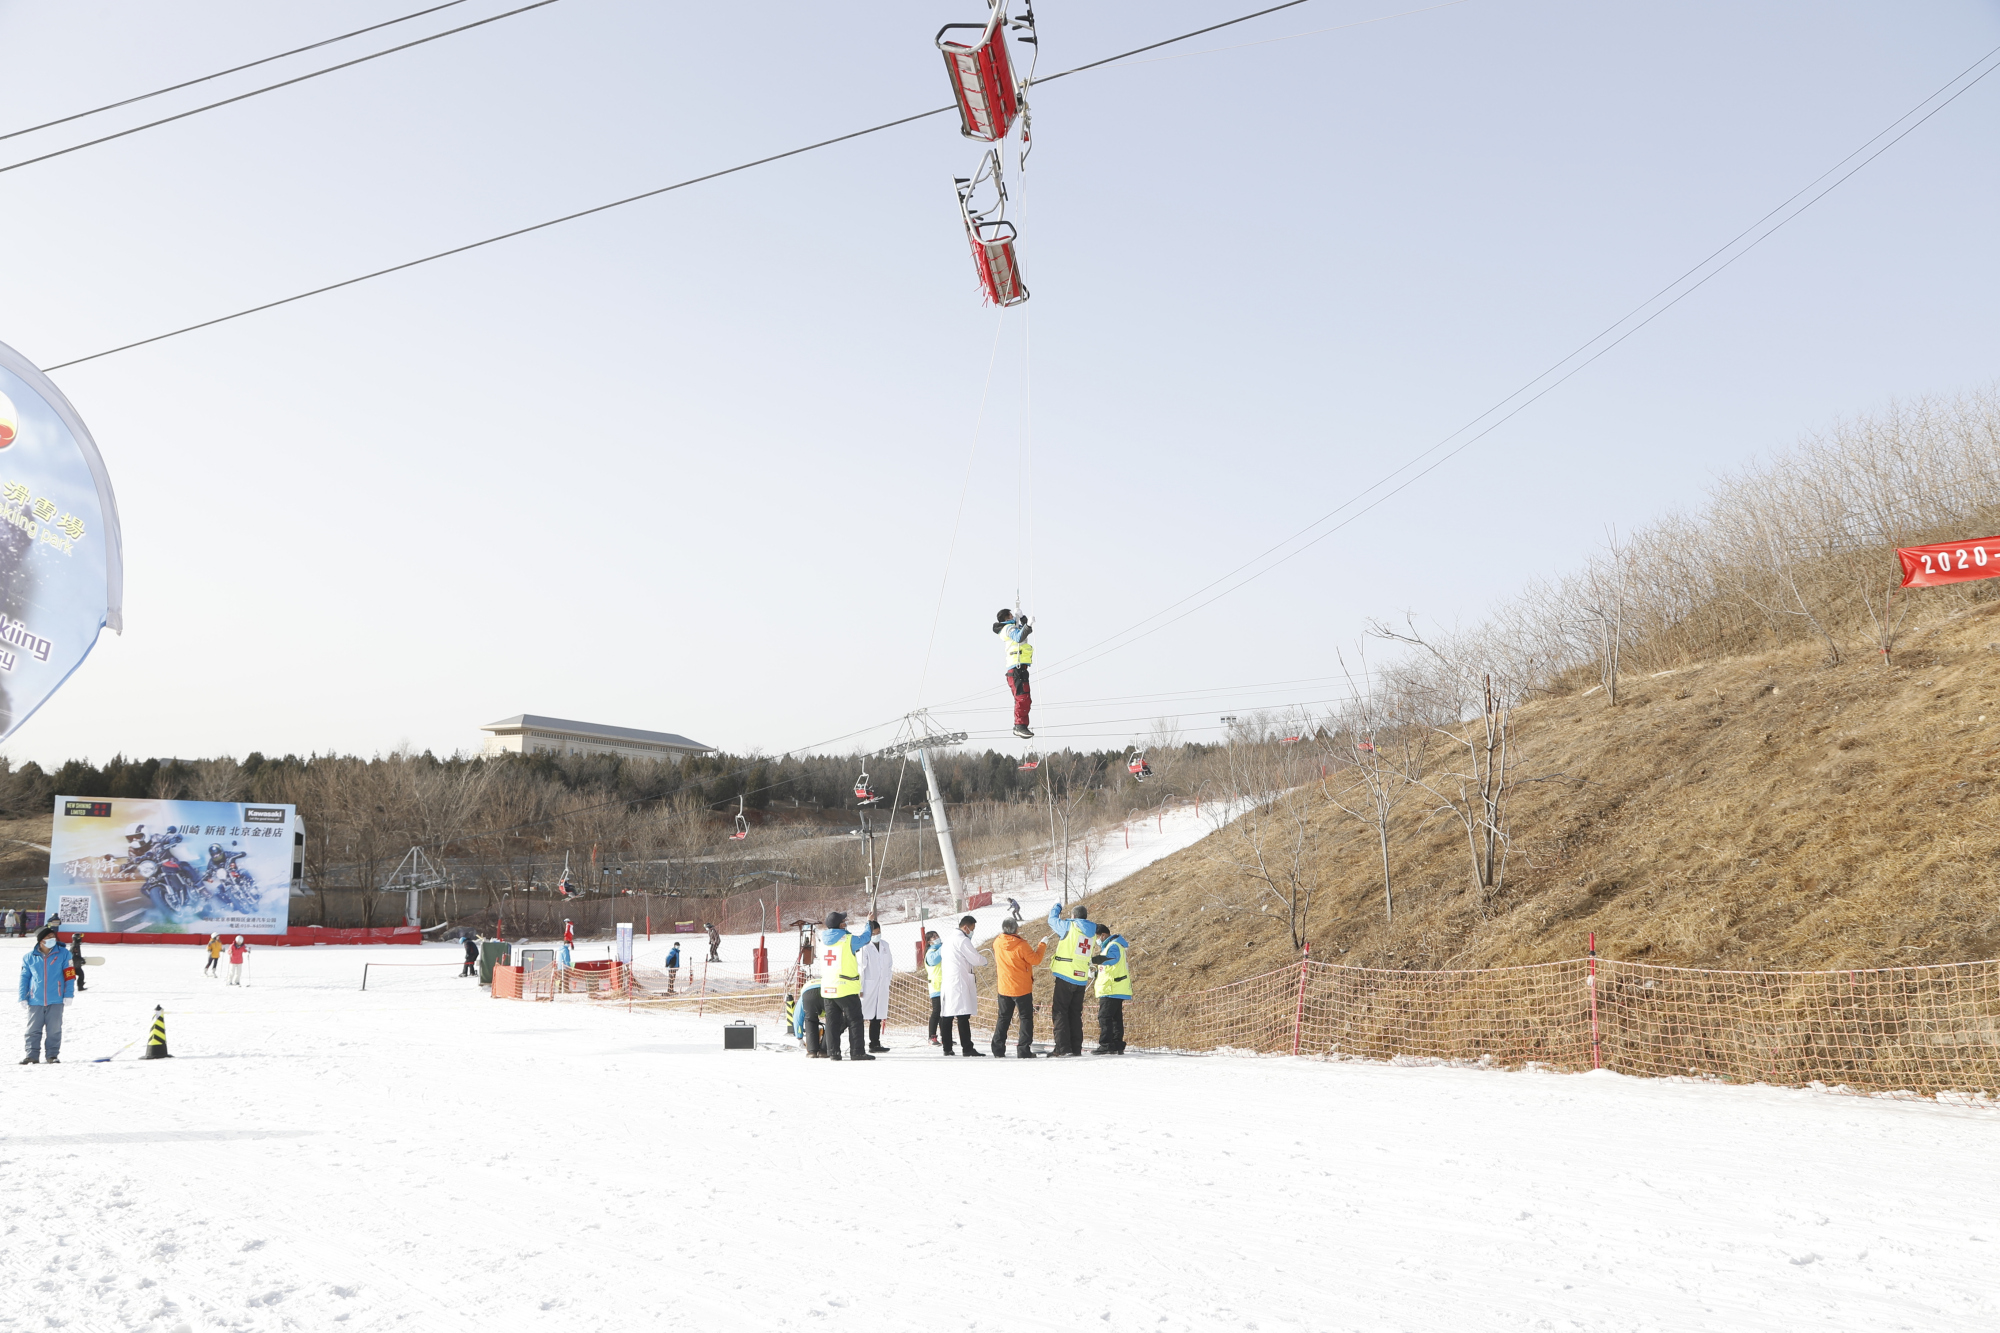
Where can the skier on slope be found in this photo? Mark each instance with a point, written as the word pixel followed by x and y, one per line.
pixel 471 968
pixel 239 952
pixel 1014 631
pixel 214 956
pixel 673 966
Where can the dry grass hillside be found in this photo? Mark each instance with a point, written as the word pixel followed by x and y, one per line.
pixel 1759 812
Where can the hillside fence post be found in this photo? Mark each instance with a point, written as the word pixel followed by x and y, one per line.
pixel 1299 1014
pixel 1596 1048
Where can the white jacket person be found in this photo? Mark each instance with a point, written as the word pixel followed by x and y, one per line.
pixel 876 966
pixel 960 995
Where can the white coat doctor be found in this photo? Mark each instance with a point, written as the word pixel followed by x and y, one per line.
pixel 959 996
pixel 877 966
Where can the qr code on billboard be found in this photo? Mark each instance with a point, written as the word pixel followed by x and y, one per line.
pixel 75 908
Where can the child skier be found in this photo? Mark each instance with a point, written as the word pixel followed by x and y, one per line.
pixel 238 953
pixel 1014 631
pixel 214 956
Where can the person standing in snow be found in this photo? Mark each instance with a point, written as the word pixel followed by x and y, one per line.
pixel 1016 961
pixel 11 923
pixel 569 932
pixel 1014 910
pixel 673 965
pixel 212 968
pixel 876 969
pixel 76 957
pixel 239 953
pixel 47 983
pixel 934 965
pixel 960 999
pixel 1014 631
pixel 1114 987
pixel 840 984
pixel 471 968
pixel 714 942
pixel 1071 968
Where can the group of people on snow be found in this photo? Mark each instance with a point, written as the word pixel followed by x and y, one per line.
pixel 847 988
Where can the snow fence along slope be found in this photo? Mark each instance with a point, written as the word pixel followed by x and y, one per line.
pixel 1927 1030
pixel 423 1158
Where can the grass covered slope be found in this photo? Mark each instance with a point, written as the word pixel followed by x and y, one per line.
pixel 1760 812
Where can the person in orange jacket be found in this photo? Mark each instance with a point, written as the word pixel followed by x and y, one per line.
pixel 1016 959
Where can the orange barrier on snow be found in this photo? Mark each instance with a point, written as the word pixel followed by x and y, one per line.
pixel 1924 1030
pixel 506 982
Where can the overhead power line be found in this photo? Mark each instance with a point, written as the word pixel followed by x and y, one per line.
pixel 273 87
pixel 615 203
pixel 1562 370
pixel 224 73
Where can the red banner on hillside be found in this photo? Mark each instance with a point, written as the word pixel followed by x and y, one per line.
pixel 1950 562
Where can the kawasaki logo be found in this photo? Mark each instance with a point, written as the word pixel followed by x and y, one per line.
pixel 263 814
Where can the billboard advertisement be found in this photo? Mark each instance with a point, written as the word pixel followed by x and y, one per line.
pixel 61 568
pixel 170 867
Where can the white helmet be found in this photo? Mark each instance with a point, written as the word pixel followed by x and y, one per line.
pixel 239 939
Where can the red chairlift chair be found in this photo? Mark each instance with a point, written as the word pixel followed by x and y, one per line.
pixel 863 791
pixel 1031 763
pixel 742 824
pixel 992 237
pixel 982 73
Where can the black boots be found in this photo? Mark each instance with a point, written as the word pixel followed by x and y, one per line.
pixel 875 1035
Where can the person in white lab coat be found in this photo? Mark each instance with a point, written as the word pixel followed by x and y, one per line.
pixel 876 968
pixel 960 996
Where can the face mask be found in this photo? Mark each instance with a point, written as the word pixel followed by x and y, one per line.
pixel 48 944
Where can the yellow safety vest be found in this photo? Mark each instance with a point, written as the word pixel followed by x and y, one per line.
pixel 1019 654
pixel 1072 958
pixel 1114 980
pixel 840 970
pixel 937 978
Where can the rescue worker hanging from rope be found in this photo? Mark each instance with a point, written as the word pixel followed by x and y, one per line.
pixel 1014 631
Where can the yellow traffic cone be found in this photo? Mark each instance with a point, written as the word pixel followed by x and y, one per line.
pixel 156 1044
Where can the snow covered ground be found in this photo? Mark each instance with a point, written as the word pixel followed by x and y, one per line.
pixel 421 1157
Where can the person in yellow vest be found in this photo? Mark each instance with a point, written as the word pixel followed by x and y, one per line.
pixel 214 957
pixel 1070 966
pixel 840 985
pixel 1014 631
pixel 934 965
pixel 1114 987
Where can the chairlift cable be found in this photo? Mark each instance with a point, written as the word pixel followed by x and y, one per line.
pixel 1129 637
pixel 620 203
pixel 272 87
pixel 223 73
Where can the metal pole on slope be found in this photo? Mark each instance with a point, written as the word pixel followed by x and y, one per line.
pixel 1596 1050
pixel 1299 1014
pixel 942 821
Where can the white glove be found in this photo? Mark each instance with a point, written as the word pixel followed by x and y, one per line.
pixel 26 1007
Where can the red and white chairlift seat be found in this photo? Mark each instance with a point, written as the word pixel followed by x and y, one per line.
pixel 1030 763
pixel 982 77
pixel 999 266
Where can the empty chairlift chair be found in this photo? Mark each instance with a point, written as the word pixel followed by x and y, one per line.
pixel 982 74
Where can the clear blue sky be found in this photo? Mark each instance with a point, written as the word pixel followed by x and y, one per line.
pixel 694 464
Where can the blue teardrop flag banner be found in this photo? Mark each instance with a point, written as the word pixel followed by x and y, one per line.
pixel 62 571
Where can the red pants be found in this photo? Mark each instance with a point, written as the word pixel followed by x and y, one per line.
pixel 1017 681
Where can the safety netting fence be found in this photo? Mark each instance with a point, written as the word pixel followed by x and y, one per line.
pixel 1925 1030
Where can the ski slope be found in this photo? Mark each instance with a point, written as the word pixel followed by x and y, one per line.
pixel 421 1157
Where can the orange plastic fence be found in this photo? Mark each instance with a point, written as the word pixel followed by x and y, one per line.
pixel 1924 1030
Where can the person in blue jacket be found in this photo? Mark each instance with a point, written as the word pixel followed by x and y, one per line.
pixel 934 967
pixel 48 981
pixel 840 985
pixel 673 965
pixel 1070 966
